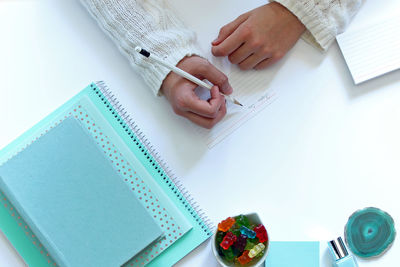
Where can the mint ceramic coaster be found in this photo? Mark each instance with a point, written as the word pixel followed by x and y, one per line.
pixel 369 232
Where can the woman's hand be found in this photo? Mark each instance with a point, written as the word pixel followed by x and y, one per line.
pixel 259 37
pixel 180 92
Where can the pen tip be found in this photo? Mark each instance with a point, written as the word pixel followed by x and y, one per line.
pixel 237 103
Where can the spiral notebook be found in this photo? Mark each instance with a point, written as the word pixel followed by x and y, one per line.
pixel 140 167
pixel 75 201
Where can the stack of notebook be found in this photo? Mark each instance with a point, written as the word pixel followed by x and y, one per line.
pixel 84 188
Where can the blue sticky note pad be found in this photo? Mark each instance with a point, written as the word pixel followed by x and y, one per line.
pixel 75 201
pixel 298 254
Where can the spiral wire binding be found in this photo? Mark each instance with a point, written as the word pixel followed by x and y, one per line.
pixel 177 187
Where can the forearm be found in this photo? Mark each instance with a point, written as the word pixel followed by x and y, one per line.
pixel 150 24
pixel 324 19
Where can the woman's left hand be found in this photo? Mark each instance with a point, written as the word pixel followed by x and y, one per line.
pixel 259 37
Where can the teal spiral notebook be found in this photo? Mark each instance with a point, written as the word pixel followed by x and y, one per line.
pixel 75 201
pixel 183 225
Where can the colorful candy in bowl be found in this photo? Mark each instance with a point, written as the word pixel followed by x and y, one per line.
pixel 241 241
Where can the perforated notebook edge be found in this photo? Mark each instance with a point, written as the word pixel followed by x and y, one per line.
pixel 179 190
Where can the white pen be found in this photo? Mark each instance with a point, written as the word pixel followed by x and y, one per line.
pixel 181 73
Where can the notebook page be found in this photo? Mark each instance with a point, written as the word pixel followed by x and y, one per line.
pixel 251 88
pixel 373 50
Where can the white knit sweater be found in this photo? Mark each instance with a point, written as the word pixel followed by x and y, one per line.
pixel 324 19
pixel 152 24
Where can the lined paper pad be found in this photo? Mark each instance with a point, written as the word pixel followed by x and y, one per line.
pixel 251 88
pixel 75 201
pixel 373 50
pixel 298 254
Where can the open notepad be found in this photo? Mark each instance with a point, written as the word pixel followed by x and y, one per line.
pixel 251 88
pixel 372 51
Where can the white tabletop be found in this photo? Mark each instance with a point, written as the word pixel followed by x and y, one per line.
pixel 322 150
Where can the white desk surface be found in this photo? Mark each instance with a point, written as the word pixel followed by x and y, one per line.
pixel 322 150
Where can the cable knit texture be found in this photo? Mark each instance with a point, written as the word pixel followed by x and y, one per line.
pixel 324 19
pixel 147 23
pixel 152 25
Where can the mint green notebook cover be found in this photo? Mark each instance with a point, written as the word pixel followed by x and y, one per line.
pixel 75 201
pixel 101 98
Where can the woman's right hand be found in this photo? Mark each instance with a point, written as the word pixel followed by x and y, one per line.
pixel 180 92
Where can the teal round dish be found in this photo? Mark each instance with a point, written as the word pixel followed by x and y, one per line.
pixel 369 232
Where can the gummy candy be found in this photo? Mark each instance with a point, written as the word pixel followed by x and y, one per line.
pixel 236 231
pixel 244 259
pixel 239 240
pixel 226 224
pixel 261 233
pixel 219 237
pixel 248 232
pixel 228 240
pixel 259 255
pixel 242 220
pixel 250 244
pixel 240 243
pixel 228 254
pixel 257 249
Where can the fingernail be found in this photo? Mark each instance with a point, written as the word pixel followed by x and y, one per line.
pixel 215 41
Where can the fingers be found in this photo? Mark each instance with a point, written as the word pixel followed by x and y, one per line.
pixel 265 63
pixel 216 77
pixel 201 112
pixel 268 31
pixel 184 101
pixel 230 44
pixel 228 29
pixel 240 54
pixel 252 61
pixel 206 122
pixel 207 109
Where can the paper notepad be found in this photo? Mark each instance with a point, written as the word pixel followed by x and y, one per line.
pixel 373 50
pixel 251 88
pixel 75 201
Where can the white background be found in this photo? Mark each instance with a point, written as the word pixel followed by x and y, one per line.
pixel 321 151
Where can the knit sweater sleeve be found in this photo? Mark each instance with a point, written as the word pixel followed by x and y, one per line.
pixel 147 23
pixel 324 19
